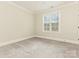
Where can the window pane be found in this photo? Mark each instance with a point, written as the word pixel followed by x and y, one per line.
pixel 54 22
pixel 46 26
pixel 46 23
pixel 54 18
pixel 46 19
pixel 54 26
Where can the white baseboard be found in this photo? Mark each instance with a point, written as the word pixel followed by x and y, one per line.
pixel 45 37
pixel 14 41
pixel 59 39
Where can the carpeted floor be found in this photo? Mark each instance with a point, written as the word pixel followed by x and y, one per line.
pixel 39 48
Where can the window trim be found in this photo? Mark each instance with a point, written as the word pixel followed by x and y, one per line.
pixel 59 26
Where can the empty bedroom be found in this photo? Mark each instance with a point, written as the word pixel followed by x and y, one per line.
pixel 39 29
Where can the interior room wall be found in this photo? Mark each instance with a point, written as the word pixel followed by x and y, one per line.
pixel 15 23
pixel 68 23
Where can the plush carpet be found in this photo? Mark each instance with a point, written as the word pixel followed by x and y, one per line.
pixel 39 48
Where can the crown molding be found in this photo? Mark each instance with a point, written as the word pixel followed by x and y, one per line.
pixel 42 11
pixel 56 8
pixel 24 9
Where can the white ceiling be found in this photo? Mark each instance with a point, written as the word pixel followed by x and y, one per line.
pixel 39 5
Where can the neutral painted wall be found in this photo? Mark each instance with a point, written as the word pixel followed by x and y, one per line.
pixel 68 23
pixel 78 21
pixel 15 23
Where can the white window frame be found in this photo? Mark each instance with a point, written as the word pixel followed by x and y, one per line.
pixel 59 24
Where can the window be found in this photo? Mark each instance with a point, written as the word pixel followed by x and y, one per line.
pixel 46 23
pixel 51 22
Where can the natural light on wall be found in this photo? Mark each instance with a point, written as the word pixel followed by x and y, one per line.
pixel 51 22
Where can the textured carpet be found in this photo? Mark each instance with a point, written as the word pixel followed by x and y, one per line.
pixel 39 48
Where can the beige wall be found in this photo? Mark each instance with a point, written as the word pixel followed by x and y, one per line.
pixel 68 20
pixel 15 23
